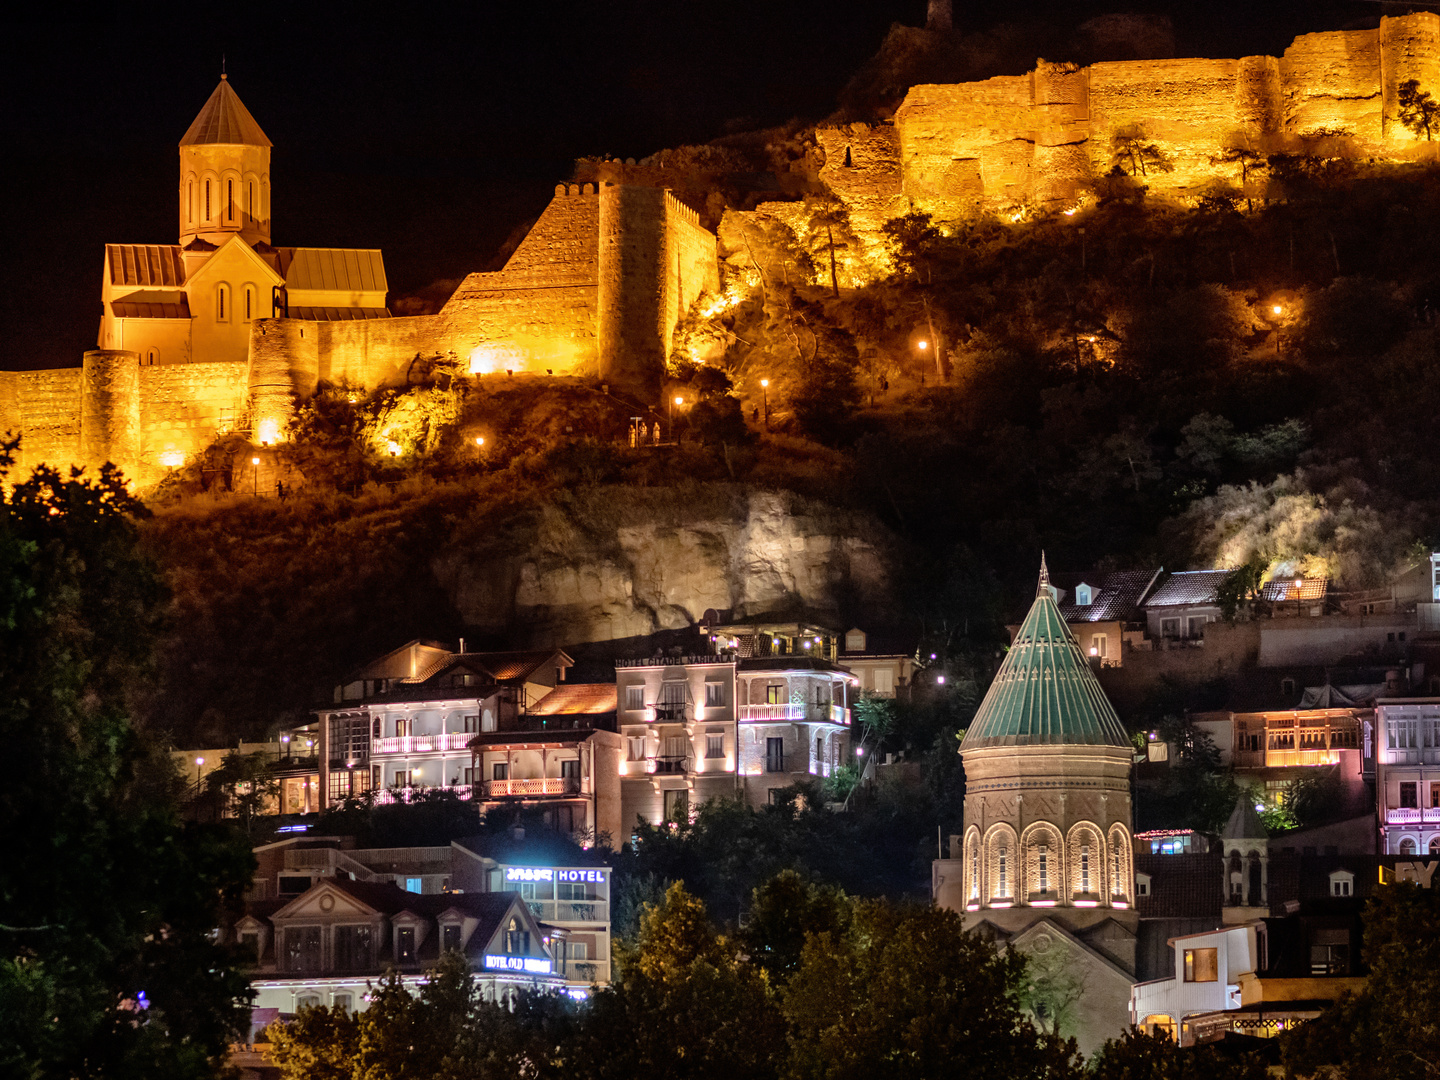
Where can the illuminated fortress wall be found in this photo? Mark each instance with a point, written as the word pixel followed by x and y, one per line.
pixel 1045 136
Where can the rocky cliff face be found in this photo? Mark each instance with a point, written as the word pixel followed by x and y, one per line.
pixel 627 562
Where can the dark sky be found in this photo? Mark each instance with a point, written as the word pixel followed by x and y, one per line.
pixel 428 136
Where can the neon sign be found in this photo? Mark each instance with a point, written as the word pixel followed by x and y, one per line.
pixel 529 873
pixel 528 964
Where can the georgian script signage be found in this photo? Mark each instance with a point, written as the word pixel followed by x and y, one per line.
pixel 530 873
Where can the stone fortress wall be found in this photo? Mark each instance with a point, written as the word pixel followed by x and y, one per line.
pixel 597 286
pixel 1045 136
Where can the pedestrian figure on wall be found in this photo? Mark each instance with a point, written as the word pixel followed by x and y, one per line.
pixel 657 432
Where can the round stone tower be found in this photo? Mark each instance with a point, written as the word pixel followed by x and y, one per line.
pixel 1047 788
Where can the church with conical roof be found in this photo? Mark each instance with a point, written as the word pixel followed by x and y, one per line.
pixel 1045 861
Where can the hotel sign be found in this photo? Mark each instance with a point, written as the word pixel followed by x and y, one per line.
pixel 547 873
pixel 528 964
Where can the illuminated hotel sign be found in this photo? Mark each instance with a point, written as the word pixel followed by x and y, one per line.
pixel 529 873
pixel 528 964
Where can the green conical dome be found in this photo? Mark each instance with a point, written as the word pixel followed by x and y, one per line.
pixel 1045 693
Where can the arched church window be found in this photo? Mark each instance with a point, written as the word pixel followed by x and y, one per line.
pixel 249 302
pixel 229 200
pixel 190 202
pixel 207 200
pixel 1003 879
pixel 1407 846
pixel 975 869
pixel 152 356
pixel 250 201
pixel 1044 856
pixel 222 303
pixel 1084 868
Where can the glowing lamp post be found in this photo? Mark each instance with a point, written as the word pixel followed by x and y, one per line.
pixel 199 761
pixel 1278 311
pixel 677 400
pixel 765 400
pixel 255 462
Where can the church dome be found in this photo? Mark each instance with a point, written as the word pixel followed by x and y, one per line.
pixel 224 119
pixel 1045 693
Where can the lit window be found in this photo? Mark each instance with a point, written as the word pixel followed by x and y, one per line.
pixel 974 870
pixel 190 202
pixel 1201 965
pixel 230 200
pixel 207 200
pixel 714 746
pixel 1004 889
pixel 249 302
pixel 1044 854
pixel 1084 868
pixel 222 303
pixel 774 694
pixel 634 698
pixel 714 694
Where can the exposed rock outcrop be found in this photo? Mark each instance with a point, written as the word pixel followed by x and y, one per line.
pixel 626 563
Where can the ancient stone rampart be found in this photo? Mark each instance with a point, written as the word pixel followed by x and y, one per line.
pixel 1043 137
pixel 43 407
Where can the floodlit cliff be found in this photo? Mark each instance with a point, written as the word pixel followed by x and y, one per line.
pixel 627 563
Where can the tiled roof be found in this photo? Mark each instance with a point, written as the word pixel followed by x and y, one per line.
pixel 586 699
pixel 151 265
pixel 334 269
pixel 224 119
pixel 1182 886
pixel 336 314
pixel 504 666
pixel 1045 692
pixel 789 663
pixel 1188 587
pixel 1298 589
pixel 1244 823
pixel 1116 596
pixel 131 309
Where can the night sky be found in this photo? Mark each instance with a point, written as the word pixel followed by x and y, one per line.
pixel 432 137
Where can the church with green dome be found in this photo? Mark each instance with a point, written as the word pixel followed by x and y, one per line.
pixel 1046 861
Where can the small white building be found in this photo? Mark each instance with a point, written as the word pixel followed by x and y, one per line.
pixel 1407 775
pixel 1206 980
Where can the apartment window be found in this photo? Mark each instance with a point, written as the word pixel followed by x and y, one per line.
pixel 574 890
pixel 307 1001
pixel 1434 795
pixel 1170 628
pixel 1142 884
pixel 1287 687
pixel 500 770
pixel 775 694
pixel 1084 868
pixel 1330 952
pixel 1197 626
pixel 472 776
pixel 637 748
pixel 450 937
pixel 775 755
pixel 1044 857
pixel 1099 645
pixel 884 680
pixel 403 727
pixel 414 884
pixel 250 946
pixel 354 948
pixel 302 948
pixel 342 1002
pixel 714 695
pixel 1084 596
pixel 673 693
pixel 634 698
pixel 472 724
pixel 1409 795
pixel 1407 846
pixel 677 805
pixel 405 944
pixel 570 769
pixel 1201 965
pixel 404 777
pixel 714 746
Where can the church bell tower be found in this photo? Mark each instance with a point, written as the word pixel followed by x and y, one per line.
pixel 224 174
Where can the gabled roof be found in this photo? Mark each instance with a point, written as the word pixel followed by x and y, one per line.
pixel 1188 587
pixel 224 119
pixel 145 265
pixel 1116 596
pixel 334 269
pixel 572 699
pixel 1045 692
pixel 132 309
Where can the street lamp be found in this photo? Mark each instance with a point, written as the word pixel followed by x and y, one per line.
pixel 255 461
pixel 765 398
pixel 678 400
pixel 198 762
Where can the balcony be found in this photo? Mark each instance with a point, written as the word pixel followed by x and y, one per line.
pixel 795 714
pixel 1410 815
pixel 540 785
pixel 591 911
pixel 422 744
pixel 669 712
pixel 670 764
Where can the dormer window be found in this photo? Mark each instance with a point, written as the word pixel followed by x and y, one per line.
pixel 1342 883
pixel 855 641
pixel 1084 596
pixel 1142 884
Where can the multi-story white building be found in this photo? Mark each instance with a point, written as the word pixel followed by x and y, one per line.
pixel 575 899
pixel 700 727
pixel 1206 980
pixel 1407 775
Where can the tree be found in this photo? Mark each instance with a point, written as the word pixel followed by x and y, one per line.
pixel 1138 1055
pixel 244 783
pixel 783 911
pixel 689 1004
pixel 107 966
pixel 1387 1030
pixel 904 992
pixel 1418 110
pixel 1131 150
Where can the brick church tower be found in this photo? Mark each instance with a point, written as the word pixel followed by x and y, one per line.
pixel 1046 858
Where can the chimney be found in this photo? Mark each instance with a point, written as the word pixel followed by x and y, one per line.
pixel 462 646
